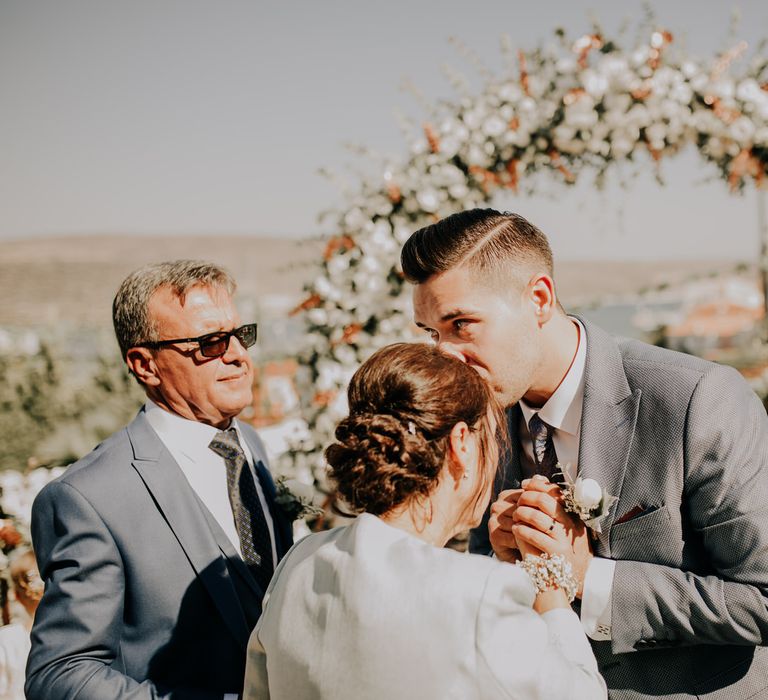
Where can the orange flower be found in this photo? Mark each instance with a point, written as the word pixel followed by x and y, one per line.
pixel 432 138
pixel 323 398
pixel 488 179
pixel 514 178
pixel 349 334
pixel 743 165
pixel 9 536
pixel 338 243
pixel 558 164
pixel 394 193
pixel 573 96
pixel 310 302
pixel 584 45
pixel 523 73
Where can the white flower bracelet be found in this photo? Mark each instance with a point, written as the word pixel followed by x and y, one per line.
pixel 550 573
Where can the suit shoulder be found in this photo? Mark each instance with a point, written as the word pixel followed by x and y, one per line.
pixel 650 366
pixel 101 462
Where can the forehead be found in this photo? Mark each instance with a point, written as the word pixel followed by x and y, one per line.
pixel 201 308
pixel 460 289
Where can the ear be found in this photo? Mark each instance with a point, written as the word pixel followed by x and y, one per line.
pixel 141 363
pixel 541 294
pixel 462 451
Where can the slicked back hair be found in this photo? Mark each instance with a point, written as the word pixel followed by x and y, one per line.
pixel 130 308
pixel 491 243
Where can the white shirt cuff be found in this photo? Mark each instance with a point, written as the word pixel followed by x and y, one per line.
pixel 230 696
pixel 596 599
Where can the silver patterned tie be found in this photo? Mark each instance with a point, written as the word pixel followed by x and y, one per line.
pixel 250 523
pixel 543 447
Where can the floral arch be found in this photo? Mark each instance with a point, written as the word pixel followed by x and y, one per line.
pixel 578 106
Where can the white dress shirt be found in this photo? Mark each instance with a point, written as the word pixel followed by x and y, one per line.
pixel 562 412
pixel 187 441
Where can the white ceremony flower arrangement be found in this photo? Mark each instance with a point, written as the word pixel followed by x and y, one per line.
pixel 560 110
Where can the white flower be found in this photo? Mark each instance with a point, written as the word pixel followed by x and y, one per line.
pixel 586 499
pixel 494 126
pixel 743 130
pixel 587 493
pixel 300 489
pixel 595 83
pixel 621 145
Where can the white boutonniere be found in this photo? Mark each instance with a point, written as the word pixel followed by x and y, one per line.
pixel 587 499
pixel 296 498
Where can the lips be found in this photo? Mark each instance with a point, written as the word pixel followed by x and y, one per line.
pixel 234 377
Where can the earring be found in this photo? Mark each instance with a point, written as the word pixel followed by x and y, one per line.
pixel 466 474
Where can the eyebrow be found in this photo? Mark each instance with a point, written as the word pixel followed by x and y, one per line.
pixel 449 316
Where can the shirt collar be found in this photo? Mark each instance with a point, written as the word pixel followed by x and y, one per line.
pixel 562 411
pixel 188 436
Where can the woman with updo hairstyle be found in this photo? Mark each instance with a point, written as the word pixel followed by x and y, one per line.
pixel 380 608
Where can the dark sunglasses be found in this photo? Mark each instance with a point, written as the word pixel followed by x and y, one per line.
pixel 211 344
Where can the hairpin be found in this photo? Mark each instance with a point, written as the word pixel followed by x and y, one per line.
pixel 411 427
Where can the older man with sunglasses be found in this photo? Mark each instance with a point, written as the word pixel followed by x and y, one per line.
pixel 157 547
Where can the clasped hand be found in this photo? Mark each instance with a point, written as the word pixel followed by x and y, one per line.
pixel 532 520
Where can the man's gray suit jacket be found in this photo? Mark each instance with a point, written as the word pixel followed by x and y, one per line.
pixel 683 443
pixel 145 597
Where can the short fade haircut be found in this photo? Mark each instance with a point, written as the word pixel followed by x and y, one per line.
pixel 485 240
pixel 130 308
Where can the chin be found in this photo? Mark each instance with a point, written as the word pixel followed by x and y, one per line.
pixel 233 402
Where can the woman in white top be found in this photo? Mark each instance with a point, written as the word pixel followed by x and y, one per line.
pixel 378 609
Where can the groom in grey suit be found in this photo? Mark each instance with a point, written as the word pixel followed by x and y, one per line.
pixel 674 590
pixel 157 547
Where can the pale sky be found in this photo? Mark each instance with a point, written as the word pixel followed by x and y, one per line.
pixel 205 117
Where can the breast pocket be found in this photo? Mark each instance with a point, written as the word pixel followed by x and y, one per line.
pixel 647 537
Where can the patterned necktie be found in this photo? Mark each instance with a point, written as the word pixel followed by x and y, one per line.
pixel 251 526
pixel 543 448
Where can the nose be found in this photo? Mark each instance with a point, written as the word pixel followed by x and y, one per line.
pixel 236 351
pixel 450 349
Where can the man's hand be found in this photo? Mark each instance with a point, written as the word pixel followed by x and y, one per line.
pixel 541 522
pixel 501 523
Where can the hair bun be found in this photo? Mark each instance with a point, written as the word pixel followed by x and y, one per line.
pixel 378 462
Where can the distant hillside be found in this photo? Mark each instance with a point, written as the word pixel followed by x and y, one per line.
pixel 73 279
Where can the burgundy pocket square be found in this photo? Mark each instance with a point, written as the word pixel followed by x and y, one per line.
pixel 634 512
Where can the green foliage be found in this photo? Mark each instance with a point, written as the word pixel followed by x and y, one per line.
pixel 54 408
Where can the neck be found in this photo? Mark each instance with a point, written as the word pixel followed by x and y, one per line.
pixel 185 411
pixel 425 520
pixel 560 344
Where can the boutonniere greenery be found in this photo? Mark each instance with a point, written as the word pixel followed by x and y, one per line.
pixel 587 499
pixel 296 498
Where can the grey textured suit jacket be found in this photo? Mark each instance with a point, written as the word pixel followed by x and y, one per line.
pixel 145 597
pixel 683 443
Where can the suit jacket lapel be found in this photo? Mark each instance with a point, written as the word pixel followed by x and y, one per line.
pixel 608 421
pixel 169 489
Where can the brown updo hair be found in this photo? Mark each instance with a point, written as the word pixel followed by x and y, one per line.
pixel 403 403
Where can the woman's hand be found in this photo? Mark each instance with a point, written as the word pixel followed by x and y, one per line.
pixel 541 524
pixel 501 526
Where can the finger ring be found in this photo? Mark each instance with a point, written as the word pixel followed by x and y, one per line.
pixel 552 526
